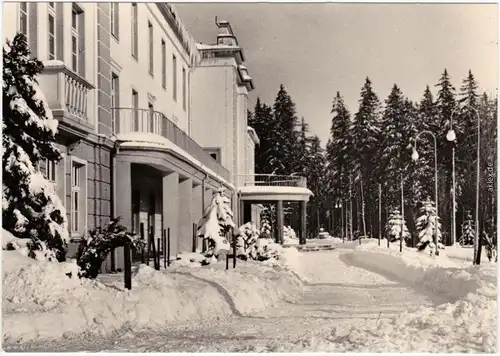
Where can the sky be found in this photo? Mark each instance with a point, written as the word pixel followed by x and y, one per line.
pixel 317 49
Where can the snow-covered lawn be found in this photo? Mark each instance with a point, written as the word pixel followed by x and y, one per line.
pixel 40 301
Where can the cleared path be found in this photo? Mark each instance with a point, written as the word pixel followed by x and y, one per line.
pixel 337 296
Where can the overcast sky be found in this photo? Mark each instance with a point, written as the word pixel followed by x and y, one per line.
pixel 318 49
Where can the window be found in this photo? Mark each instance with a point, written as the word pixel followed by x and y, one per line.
pixel 114 102
pixel 134 31
pixel 174 78
pixel 135 106
pixel 115 19
pixel 163 64
pixel 50 170
pixel 184 88
pixel 78 197
pixel 151 54
pixel 74 40
pixel 52 30
pixel 23 18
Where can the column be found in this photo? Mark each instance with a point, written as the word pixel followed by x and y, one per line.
pixel 170 186
pixel 279 220
pixel 303 223
pixel 123 202
pixel 197 208
pixel 209 193
pixel 185 231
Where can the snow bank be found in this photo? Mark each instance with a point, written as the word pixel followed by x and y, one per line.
pixel 43 300
pixel 465 323
pixel 437 274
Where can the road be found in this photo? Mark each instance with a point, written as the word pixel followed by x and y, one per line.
pixel 338 296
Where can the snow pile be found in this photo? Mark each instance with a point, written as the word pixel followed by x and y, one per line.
pixel 43 300
pixel 289 236
pixel 465 323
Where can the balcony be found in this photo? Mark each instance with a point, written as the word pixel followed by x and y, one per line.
pixel 262 187
pixel 127 120
pixel 67 95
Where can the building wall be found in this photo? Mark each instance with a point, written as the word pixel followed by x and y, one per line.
pixel 134 72
pixel 212 115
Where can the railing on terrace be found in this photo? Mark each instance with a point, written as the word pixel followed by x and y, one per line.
pixel 126 120
pixel 65 90
pixel 271 180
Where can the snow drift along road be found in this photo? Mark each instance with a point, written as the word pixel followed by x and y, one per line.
pixel 40 300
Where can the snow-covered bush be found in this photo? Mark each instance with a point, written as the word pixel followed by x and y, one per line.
pixel 289 235
pixel 266 216
pixel 265 228
pixel 246 242
pixel 426 224
pixel 468 233
pixel 266 249
pixel 215 225
pixel 393 227
pixel 94 249
pixel 31 208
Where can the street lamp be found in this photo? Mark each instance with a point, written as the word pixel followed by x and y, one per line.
pixel 451 137
pixel 414 157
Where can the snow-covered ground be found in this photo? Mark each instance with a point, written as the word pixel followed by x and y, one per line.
pixel 355 298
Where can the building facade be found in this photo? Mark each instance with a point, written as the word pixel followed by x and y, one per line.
pixel 151 123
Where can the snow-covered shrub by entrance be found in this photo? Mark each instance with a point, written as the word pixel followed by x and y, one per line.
pixel 215 225
pixel 289 236
pixel 427 222
pixel 31 208
pixel 94 248
pixel 246 242
pixel 393 227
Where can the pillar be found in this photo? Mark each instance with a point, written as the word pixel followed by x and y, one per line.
pixel 185 231
pixel 170 206
pixel 303 222
pixel 280 220
pixel 209 194
pixel 197 207
pixel 123 203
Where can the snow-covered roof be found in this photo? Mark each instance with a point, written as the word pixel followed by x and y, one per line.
pixel 270 191
pixel 143 139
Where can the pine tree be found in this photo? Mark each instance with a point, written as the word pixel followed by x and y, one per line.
pixel 337 149
pixel 393 227
pixel 315 182
pixel 216 223
pixel 426 226
pixel 31 208
pixel 468 232
pixel 363 145
pixel 286 141
pixel 265 126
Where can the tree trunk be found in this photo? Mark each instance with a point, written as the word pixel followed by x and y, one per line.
pixel 363 210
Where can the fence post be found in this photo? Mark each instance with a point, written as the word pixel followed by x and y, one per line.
pixel 195 228
pixel 227 260
pixel 152 241
pixel 164 242
pixel 168 247
pixel 158 252
pixel 234 251
pixel 127 263
pixel 149 246
pixel 142 238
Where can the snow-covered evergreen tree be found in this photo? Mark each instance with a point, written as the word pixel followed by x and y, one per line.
pixel 393 227
pixel 31 207
pixel 468 232
pixel 216 223
pixel 246 241
pixel 427 222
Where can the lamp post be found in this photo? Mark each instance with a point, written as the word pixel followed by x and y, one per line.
pixel 451 137
pixel 414 156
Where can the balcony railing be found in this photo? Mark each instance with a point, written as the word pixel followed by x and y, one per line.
pixel 271 180
pixel 67 93
pixel 125 120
